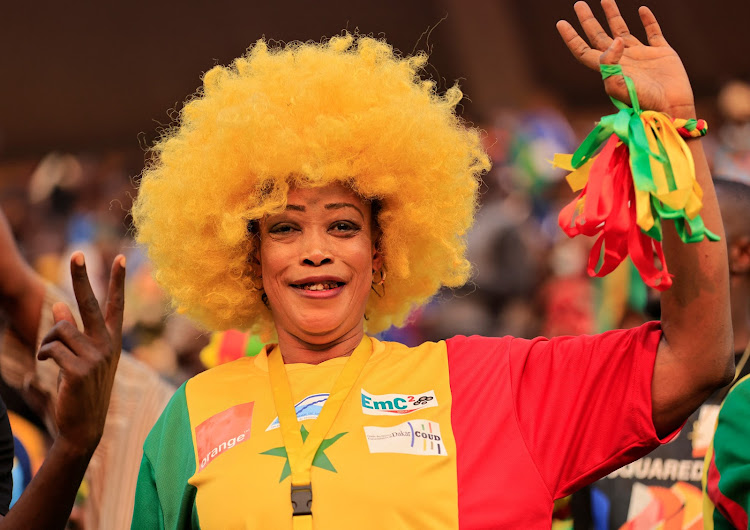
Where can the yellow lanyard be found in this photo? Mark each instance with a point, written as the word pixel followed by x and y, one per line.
pixel 301 454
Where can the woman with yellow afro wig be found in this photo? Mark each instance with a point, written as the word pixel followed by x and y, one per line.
pixel 346 111
pixel 314 192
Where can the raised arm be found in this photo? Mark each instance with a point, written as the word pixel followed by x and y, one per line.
pixel 88 361
pixel 21 289
pixel 695 355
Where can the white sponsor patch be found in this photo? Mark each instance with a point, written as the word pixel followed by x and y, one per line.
pixel 703 429
pixel 396 404
pixel 416 437
pixel 307 409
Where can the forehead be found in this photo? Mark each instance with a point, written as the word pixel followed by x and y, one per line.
pixel 324 195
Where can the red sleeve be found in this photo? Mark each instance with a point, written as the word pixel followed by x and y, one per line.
pixel 583 404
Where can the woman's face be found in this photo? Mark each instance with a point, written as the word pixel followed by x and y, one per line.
pixel 316 260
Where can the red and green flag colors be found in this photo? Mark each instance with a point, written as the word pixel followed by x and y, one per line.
pixel 229 345
pixel 726 471
pixel 643 174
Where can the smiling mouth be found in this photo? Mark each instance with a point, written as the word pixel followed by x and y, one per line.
pixel 321 286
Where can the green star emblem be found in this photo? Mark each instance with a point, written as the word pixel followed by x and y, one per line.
pixel 320 460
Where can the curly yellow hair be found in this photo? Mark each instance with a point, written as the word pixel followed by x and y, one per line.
pixel 348 110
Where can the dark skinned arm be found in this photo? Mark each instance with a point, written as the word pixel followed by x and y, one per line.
pixel 21 289
pixel 695 355
pixel 88 361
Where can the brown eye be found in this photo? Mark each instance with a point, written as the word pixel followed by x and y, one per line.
pixel 282 229
pixel 344 227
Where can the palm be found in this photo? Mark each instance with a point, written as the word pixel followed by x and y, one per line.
pixel 656 70
pixel 660 79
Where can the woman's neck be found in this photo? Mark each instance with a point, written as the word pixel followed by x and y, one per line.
pixel 297 350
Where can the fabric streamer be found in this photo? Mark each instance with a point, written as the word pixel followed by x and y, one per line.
pixel 618 294
pixel 643 174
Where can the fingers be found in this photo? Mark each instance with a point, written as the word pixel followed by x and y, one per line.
pixel 100 341
pixel 88 306
pixel 67 334
pixel 617 24
pixel 653 31
pixel 577 46
pixel 599 39
pixel 594 31
pixel 613 54
pixel 116 299
pixel 61 312
pixel 58 352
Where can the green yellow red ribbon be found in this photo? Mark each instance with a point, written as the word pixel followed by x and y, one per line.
pixel 646 174
pixel 691 128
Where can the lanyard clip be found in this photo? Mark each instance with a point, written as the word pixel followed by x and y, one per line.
pixel 301 500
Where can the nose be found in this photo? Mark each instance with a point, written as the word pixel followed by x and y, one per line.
pixel 317 260
pixel 315 251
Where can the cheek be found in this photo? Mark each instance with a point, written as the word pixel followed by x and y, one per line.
pixel 274 254
pixel 362 262
pixel 273 262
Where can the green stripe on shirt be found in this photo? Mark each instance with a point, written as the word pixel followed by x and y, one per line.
pixel 164 500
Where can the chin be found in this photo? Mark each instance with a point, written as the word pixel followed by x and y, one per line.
pixel 323 329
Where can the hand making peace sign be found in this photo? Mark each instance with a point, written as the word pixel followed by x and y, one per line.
pixel 88 359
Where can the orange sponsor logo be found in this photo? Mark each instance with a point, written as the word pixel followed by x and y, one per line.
pixel 223 431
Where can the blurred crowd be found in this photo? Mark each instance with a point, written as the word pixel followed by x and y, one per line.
pixel 67 202
pixel 529 278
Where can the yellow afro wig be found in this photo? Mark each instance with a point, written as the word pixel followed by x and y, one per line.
pixel 348 110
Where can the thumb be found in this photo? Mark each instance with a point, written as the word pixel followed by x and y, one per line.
pixel 613 54
pixel 60 312
pixel 615 84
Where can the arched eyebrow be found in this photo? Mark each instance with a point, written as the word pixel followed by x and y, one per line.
pixel 339 205
pixel 329 206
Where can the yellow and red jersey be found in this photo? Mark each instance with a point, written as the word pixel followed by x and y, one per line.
pixel 471 432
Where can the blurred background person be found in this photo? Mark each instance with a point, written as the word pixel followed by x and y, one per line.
pixel 731 152
pixel 726 473
pixel 31 388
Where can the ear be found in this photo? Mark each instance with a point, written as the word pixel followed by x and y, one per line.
pixel 257 268
pixel 253 258
pixel 739 255
pixel 377 257
pixel 255 262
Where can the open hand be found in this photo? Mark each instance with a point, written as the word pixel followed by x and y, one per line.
pixel 658 74
pixel 88 359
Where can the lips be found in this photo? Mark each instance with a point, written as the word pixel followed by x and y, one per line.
pixel 318 286
pixel 318 283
